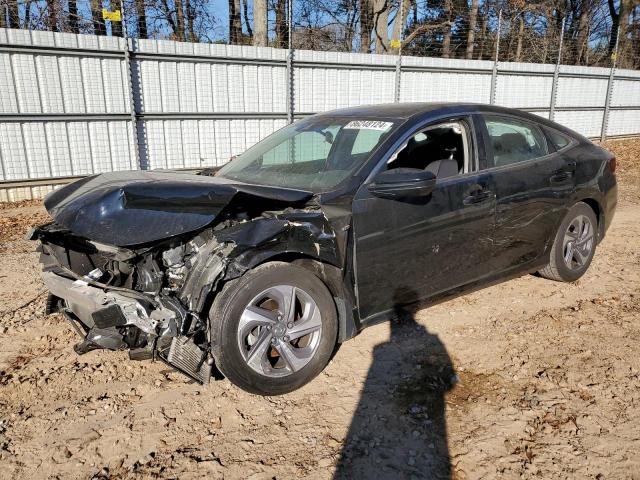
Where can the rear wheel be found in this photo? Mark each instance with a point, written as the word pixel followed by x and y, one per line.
pixel 273 329
pixel 574 245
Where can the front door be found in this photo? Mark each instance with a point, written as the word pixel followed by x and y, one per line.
pixel 406 250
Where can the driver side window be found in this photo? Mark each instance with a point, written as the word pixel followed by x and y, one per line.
pixel 441 149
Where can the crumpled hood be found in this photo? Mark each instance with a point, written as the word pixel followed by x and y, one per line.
pixel 138 207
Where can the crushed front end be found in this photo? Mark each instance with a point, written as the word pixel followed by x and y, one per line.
pixel 126 299
pixel 134 261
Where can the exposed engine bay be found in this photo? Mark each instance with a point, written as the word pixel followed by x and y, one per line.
pixel 151 298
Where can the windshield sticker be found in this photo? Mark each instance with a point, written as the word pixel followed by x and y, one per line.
pixel 369 125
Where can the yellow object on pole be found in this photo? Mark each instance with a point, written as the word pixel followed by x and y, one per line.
pixel 111 16
pixel 395 43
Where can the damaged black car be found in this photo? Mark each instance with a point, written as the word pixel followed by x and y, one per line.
pixel 327 226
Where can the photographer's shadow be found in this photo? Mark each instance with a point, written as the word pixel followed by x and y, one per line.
pixel 399 428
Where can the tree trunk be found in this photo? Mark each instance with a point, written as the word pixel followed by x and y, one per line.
pixel 366 19
pixel 446 38
pixel 615 23
pixel 583 34
pixel 381 22
pixel 13 14
pixel 52 16
pixel 282 37
pixel 99 27
pixel 245 15
pixel 260 23
pixel 482 41
pixel 179 30
pixel 399 23
pixel 473 17
pixel 141 17
pixel 73 16
pixel 520 35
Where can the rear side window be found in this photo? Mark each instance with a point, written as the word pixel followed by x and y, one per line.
pixel 557 139
pixel 513 141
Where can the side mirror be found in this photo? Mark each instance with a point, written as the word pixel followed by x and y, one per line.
pixel 403 183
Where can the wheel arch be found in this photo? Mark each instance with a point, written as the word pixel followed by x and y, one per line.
pixel 596 206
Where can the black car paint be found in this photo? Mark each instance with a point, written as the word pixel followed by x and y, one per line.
pixel 373 248
pixel 140 207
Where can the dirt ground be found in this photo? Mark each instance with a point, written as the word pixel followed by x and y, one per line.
pixel 527 379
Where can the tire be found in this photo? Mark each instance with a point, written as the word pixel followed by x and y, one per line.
pixel 251 325
pixel 574 245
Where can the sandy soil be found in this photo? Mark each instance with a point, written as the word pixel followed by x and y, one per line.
pixel 527 379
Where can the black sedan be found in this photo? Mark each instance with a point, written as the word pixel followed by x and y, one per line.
pixel 323 228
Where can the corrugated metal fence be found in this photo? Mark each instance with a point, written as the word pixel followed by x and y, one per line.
pixel 65 99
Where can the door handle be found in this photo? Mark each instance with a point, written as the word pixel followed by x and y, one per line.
pixel 561 175
pixel 478 196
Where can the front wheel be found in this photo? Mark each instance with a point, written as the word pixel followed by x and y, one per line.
pixel 574 245
pixel 273 329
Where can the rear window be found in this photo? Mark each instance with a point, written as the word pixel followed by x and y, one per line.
pixel 557 139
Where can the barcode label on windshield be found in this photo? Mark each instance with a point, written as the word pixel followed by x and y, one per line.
pixel 369 125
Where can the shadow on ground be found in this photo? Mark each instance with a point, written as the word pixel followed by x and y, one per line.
pixel 399 428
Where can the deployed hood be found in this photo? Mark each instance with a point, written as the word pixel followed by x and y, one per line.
pixel 138 207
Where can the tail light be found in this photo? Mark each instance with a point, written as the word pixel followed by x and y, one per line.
pixel 612 164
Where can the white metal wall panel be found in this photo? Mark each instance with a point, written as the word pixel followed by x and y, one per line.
pixel 92 82
pixel 100 147
pixel 221 88
pixel 119 146
pixel 14 157
pixel 187 87
pixel 8 101
pixel 173 144
pixel 35 143
pixel 154 130
pixel 519 91
pixel 445 87
pixel 58 146
pixel 24 72
pixel 581 92
pixel 223 140
pixel 587 123
pixel 207 138
pixel 72 90
pixel 150 85
pixel 626 92
pixel 191 144
pixel 623 122
pixel 169 87
pixel 204 87
pixel 115 86
pixel 48 77
pixel 80 148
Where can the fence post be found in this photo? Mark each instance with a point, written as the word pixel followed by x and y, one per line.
pixel 607 104
pixel 494 72
pixel 556 74
pixel 132 103
pixel 398 78
pixel 290 73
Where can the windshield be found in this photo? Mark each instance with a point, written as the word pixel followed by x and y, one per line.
pixel 314 154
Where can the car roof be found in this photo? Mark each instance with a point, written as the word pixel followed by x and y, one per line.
pixel 416 111
pixel 419 109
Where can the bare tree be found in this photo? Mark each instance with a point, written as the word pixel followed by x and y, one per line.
pixel 235 24
pixel 381 24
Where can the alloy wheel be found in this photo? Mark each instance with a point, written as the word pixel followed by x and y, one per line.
pixel 280 330
pixel 578 242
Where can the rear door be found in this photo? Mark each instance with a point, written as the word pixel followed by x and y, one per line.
pixel 532 184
